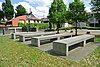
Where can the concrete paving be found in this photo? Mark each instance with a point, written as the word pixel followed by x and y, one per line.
pixel 75 54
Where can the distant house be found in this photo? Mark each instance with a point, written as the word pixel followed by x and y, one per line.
pixel 22 19
pixel 93 21
pixel 66 25
pixel 45 20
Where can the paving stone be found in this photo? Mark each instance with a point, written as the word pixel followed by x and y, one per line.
pixel 75 55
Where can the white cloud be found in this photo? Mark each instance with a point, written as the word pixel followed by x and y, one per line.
pixel 26 5
pixel 42 11
pixel 42 6
pixel 0 5
pixel 43 2
pixel 86 0
pixel 40 2
pixel 37 11
pixel 88 9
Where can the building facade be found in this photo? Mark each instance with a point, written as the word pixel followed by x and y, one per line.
pixel 22 19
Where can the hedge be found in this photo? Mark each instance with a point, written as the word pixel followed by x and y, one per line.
pixel 32 25
pixel 89 28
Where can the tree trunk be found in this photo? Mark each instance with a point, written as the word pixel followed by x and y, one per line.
pixel 76 28
pixel 29 25
pixel 58 26
pixel 50 25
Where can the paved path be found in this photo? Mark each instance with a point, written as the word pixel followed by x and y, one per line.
pixel 75 54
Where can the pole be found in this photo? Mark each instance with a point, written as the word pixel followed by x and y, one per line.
pixel 29 24
pixel 93 20
pixel 3 31
pixel 76 28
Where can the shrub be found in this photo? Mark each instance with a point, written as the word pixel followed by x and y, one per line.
pixel 20 24
pixel 66 28
pixel 39 25
pixel 24 29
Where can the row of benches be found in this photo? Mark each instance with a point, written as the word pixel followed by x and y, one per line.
pixel 59 46
pixel 24 35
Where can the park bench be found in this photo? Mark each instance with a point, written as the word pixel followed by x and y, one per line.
pixel 62 46
pixel 14 35
pixel 23 37
pixel 36 40
pixel 94 32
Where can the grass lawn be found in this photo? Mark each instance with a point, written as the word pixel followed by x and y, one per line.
pixel 15 54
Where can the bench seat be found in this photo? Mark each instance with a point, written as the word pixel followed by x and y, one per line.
pixel 14 35
pixel 61 46
pixel 23 37
pixel 36 40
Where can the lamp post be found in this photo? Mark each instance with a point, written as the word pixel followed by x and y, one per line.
pixel 94 20
pixel 28 18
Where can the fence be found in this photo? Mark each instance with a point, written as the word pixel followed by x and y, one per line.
pixel 4 31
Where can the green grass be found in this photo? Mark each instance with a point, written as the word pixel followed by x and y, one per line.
pixel 16 54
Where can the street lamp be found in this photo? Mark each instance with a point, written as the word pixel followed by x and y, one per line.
pixel 28 18
pixel 94 20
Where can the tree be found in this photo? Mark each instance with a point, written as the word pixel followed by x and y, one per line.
pixel 77 13
pixel 96 8
pixel 57 13
pixel 1 15
pixel 8 9
pixel 20 10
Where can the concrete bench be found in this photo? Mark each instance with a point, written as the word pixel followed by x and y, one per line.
pixel 36 40
pixel 62 46
pixel 14 35
pixel 23 37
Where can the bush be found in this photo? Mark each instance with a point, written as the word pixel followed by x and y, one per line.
pixel 33 29
pixel 20 24
pixel 39 25
pixel 24 29
pixel 89 28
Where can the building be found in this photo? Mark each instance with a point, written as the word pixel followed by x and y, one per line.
pixel 23 19
pixel 44 20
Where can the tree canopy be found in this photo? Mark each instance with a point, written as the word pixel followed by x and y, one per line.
pixel 1 14
pixel 96 8
pixel 8 9
pixel 20 10
pixel 76 12
pixel 57 13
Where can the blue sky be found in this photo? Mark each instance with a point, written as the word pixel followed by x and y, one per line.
pixel 40 8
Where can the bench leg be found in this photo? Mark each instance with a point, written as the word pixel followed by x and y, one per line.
pixel 38 43
pixel 13 36
pixel 84 43
pixel 35 42
pixel 22 38
pixel 71 35
pixel 58 38
pixel 66 50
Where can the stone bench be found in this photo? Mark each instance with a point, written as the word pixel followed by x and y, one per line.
pixel 36 40
pixel 62 46
pixel 23 37
pixel 14 35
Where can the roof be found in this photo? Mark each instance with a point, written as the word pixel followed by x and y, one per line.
pixel 24 17
pixel 44 19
